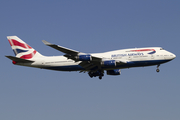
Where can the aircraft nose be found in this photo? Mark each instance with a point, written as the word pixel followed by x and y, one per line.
pixel 173 56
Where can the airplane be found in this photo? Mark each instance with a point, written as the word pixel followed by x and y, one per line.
pixel 95 64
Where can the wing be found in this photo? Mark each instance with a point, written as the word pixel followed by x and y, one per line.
pixel 69 53
pixel 62 49
pixel 95 65
pixel 88 61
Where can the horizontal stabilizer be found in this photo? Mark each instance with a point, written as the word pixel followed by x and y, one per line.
pixel 16 59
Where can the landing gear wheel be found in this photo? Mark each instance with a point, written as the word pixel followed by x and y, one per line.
pixel 157 70
pixel 90 74
pixel 100 77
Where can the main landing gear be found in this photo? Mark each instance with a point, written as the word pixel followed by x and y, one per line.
pixel 97 73
pixel 157 70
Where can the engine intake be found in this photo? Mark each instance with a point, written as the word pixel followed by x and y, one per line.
pixel 114 72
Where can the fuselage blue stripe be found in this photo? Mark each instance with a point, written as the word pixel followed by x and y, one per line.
pixel 152 52
pixel 127 65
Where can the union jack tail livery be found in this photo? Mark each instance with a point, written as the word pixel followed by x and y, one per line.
pixel 21 49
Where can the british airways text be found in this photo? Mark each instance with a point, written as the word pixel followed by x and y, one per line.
pixel 130 54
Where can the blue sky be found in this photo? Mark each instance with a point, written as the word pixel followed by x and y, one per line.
pixel 90 26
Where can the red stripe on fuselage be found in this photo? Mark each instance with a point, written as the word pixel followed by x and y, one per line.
pixel 28 56
pixel 24 45
pixel 143 50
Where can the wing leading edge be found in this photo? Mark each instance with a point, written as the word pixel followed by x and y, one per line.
pixel 62 49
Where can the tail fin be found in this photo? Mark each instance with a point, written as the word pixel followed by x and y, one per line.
pixel 21 49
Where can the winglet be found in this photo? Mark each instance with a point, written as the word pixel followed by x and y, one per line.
pixel 46 42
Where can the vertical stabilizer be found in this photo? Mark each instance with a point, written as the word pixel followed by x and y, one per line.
pixel 22 49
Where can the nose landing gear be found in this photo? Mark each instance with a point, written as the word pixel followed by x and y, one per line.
pixel 157 70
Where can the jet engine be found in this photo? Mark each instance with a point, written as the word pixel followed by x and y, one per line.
pixel 109 63
pixel 84 57
pixel 114 72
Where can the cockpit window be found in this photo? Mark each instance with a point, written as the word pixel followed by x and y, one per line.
pixel 161 49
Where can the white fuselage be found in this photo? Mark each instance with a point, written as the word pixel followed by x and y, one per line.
pixel 135 57
pixel 95 64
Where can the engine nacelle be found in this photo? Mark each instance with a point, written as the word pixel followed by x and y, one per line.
pixel 84 57
pixel 114 72
pixel 109 63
